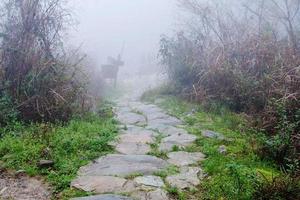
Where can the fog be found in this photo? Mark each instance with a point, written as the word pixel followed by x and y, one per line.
pixel 105 27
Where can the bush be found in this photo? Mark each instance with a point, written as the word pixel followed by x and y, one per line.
pixel 43 82
pixel 250 64
pixel 278 188
pixel 70 147
pixel 281 146
pixel 8 113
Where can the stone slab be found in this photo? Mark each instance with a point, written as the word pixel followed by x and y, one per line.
pixel 100 184
pixel 123 165
pixel 153 181
pixel 180 140
pixel 130 148
pixel 189 177
pixel 182 158
pixel 104 197
pixel 131 118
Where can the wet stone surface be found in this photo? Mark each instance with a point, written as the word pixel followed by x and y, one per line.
pixel 132 119
pixel 100 184
pixel 104 197
pixel 189 177
pixel 131 170
pixel 179 140
pixel 133 148
pixel 123 165
pixel 153 181
pixel 182 158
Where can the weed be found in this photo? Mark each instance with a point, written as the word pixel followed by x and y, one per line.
pixel 278 187
pixel 231 176
pixel 176 193
pixel 134 175
pixel 171 170
pixel 70 146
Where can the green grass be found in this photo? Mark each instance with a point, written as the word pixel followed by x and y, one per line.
pixel 171 170
pixel 70 146
pixel 133 176
pixel 155 148
pixel 231 176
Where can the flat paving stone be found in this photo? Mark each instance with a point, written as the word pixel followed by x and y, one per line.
pixel 166 130
pixel 147 108
pixel 123 110
pixel 104 197
pixel 182 158
pixel 132 118
pixel 131 129
pixel 179 140
pixel 158 127
pixel 189 177
pixel 130 148
pixel 108 174
pixel 135 143
pixel 122 165
pixel 154 181
pixel 157 195
pixel 143 137
pixel 166 121
pixel 101 184
pixel 156 115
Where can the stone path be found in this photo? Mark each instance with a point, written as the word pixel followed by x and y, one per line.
pixel 130 173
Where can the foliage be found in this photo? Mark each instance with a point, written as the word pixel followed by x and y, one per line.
pixel 8 113
pixel 70 146
pixel 282 146
pixel 249 63
pixel 230 176
pixel 279 188
pixel 43 81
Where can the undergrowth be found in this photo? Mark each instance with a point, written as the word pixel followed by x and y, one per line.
pixel 70 146
pixel 237 174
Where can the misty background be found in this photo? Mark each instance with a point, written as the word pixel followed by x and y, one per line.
pixel 104 26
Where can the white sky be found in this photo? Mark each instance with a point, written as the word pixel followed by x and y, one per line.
pixel 105 24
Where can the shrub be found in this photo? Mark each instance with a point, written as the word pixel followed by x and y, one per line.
pixel 282 145
pixel 8 113
pixel 42 80
pixel 250 63
pixel 278 188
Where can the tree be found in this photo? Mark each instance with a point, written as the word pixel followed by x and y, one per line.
pixel 36 71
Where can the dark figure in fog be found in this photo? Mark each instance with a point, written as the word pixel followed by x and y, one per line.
pixel 110 70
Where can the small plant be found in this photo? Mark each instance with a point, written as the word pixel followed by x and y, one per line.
pixel 171 170
pixel 176 193
pixel 278 188
pixel 159 154
pixel 105 110
pixel 8 113
pixel 70 146
pixel 281 147
pixel 134 175
pixel 176 148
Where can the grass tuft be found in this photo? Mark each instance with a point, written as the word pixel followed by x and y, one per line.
pixel 70 146
pixel 230 176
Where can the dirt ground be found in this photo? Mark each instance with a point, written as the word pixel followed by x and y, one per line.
pixel 18 186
